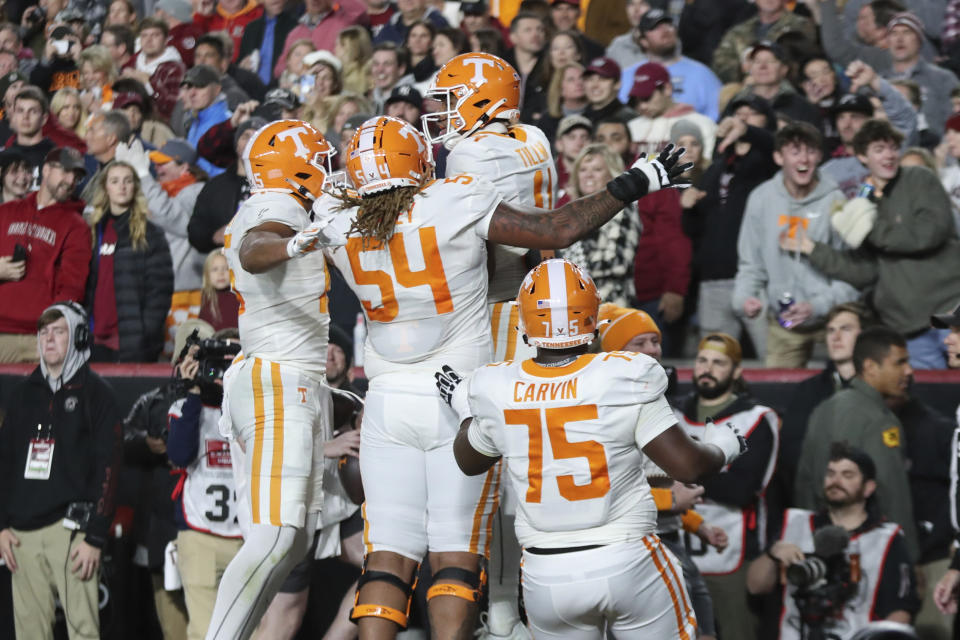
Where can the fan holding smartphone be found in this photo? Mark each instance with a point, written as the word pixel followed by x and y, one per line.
pixel 14 267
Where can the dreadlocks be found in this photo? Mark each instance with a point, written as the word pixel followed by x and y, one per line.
pixel 377 214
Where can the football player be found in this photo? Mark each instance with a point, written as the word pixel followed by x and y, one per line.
pixel 279 408
pixel 415 255
pixel 573 429
pixel 479 97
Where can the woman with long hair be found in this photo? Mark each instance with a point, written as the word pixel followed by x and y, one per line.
pixel 68 108
pixel 131 275
pixel 607 254
pixel 419 42
pixel 565 97
pixel 354 48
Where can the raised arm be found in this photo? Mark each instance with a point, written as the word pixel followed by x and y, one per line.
pixel 537 229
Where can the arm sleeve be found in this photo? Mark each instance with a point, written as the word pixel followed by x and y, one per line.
pixel 183 443
pixel 751 278
pixel 108 450
pixel 480 441
pixel 747 475
pixel 172 215
pixel 655 418
pixel 159 289
pixel 900 112
pixel 482 202
pixel 928 225
pixel 73 265
pixel 135 430
pixel 673 247
pixel 204 221
pixel 805 488
pixel 854 267
pixel 897 590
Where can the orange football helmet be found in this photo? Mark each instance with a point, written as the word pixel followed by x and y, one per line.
pixel 386 153
pixel 559 305
pixel 474 88
pixel 289 156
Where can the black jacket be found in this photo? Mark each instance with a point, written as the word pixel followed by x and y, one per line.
pixel 143 284
pixel 714 223
pixel 929 435
pixel 805 398
pixel 155 525
pixel 85 424
pixel 253 36
pixel 216 205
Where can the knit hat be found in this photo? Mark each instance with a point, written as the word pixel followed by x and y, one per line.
pixel 723 343
pixel 620 325
pixel 684 127
pixel 253 122
pixel 907 19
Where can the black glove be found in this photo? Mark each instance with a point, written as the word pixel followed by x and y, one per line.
pixel 647 176
pixel 447 381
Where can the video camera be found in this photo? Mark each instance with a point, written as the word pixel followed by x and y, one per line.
pixel 214 357
pixel 825 581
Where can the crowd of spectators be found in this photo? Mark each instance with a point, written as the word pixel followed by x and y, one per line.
pixel 825 136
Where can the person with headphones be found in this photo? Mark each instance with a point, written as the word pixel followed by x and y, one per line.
pixel 60 450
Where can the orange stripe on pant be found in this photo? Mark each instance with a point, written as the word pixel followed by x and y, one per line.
pixel 366 529
pixel 478 512
pixel 257 457
pixel 276 467
pixel 692 619
pixel 493 509
pixel 681 629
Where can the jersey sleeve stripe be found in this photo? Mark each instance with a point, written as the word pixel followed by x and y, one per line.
pixel 257 459
pixel 275 468
pixel 681 626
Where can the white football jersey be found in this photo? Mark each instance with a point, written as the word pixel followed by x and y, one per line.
pixel 424 293
pixel 283 312
pixel 520 165
pixel 571 438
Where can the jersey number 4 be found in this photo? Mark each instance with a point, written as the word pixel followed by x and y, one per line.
pixel 431 275
pixel 562 448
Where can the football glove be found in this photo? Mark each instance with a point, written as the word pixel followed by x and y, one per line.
pixel 727 438
pixel 647 176
pixel 307 241
pixel 453 392
pixel 855 220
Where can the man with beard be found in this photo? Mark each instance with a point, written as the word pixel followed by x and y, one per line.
pixel 861 415
pixel 693 82
pixel 734 500
pixel 886 590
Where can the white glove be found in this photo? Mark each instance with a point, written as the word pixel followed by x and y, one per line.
pixel 727 438
pixel 135 155
pixel 454 392
pixel 307 241
pixel 855 220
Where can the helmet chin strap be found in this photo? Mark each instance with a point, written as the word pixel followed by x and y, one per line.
pixel 301 191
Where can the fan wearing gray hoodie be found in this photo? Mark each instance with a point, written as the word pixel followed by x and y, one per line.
pixel 798 200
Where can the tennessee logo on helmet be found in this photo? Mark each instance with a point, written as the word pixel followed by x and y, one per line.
pixel 473 89
pixel 386 153
pixel 289 156
pixel 559 305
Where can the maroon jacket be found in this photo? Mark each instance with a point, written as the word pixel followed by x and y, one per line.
pixel 663 255
pixel 58 244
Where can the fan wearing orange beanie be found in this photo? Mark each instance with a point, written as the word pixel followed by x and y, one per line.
pixel 625 329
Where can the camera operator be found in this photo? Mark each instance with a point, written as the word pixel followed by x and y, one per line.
pixel 60 450
pixel 867 574
pixel 209 534
pixel 145 447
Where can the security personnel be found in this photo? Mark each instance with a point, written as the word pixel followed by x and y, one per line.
pixel 735 499
pixel 861 416
pixel 60 450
